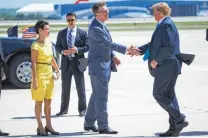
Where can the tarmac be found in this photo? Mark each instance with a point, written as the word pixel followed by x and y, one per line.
pixel 133 111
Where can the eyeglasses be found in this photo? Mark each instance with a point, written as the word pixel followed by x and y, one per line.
pixel 70 20
pixel 104 11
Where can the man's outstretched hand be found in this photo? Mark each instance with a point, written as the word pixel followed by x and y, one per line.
pixel 133 51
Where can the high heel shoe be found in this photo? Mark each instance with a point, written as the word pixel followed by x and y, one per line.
pixel 52 132
pixel 41 134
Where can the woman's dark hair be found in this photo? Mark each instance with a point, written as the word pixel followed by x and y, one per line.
pixel 40 25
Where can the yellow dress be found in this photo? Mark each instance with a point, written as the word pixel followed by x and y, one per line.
pixel 44 72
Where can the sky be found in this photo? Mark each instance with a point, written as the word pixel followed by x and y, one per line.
pixel 21 3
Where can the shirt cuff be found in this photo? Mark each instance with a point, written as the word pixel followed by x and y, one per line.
pixel 62 52
pixel 76 49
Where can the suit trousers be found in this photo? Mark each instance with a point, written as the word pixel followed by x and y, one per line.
pixel 164 93
pixel 97 107
pixel 66 76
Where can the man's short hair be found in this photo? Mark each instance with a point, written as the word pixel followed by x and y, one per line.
pixel 163 8
pixel 96 6
pixel 71 14
pixel 40 25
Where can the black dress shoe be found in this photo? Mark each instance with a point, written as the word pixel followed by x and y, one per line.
pixel 108 131
pixel 61 114
pixel 169 133
pixel 82 113
pixel 93 128
pixel 52 132
pixel 181 125
pixel 41 134
pixel 3 133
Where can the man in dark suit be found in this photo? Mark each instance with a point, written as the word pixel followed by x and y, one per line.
pixel 1 67
pixel 164 62
pixel 72 43
pixel 101 62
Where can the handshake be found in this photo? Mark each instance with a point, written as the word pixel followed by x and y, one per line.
pixel 133 51
pixel 70 51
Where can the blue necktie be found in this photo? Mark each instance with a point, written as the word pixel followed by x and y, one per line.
pixel 147 53
pixel 69 42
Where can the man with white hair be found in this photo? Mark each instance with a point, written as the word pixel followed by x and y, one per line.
pixel 165 61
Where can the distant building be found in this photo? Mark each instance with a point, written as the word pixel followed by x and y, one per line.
pixel 119 8
pixel 45 9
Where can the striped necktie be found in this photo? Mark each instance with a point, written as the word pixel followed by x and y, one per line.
pixel 69 41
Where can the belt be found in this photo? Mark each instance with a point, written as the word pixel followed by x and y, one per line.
pixel 43 63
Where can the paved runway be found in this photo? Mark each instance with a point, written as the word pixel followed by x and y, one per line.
pixel 132 108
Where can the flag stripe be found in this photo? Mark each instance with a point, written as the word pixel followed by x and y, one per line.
pixel 29 32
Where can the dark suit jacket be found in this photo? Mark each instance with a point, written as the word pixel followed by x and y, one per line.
pixel 101 50
pixel 81 42
pixel 164 46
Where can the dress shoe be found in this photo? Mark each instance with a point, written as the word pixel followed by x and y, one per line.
pixel 82 113
pixel 52 132
pixel 169 133
pixel 61 114
pixel 107 131
pixel 41 134
pixel 181 125
pixel 3 133
pixel 92 128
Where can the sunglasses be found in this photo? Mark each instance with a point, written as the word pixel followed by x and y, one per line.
pixel 104 11
pixel 70 20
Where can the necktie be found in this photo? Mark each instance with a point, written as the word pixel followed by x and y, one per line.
pixel 69 42
pixel 147 53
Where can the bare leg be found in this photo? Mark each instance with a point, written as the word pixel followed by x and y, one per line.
pixel 47 110
pixel 38 114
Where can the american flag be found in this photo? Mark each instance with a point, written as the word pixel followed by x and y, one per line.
pixel 29 32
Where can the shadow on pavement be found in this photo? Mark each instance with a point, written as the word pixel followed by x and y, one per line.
pixel 194 133
pixel 53 116
pixel 61 135
pixel 191 133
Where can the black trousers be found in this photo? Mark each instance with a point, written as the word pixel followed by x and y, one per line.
pixel 66 76
pixel 164 93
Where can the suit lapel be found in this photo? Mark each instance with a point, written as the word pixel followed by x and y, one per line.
pixel 65 36
pixel 104 28
pixel 158 28
pixel 77 36
pixel 108 33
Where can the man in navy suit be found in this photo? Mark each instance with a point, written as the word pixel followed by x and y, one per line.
pixel 165 66
pixel 102 61
pixel 72 43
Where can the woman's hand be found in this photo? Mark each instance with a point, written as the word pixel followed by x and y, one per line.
pixel 56 76
pixel 35 84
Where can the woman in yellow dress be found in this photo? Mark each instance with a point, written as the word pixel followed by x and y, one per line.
pixel 42 85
